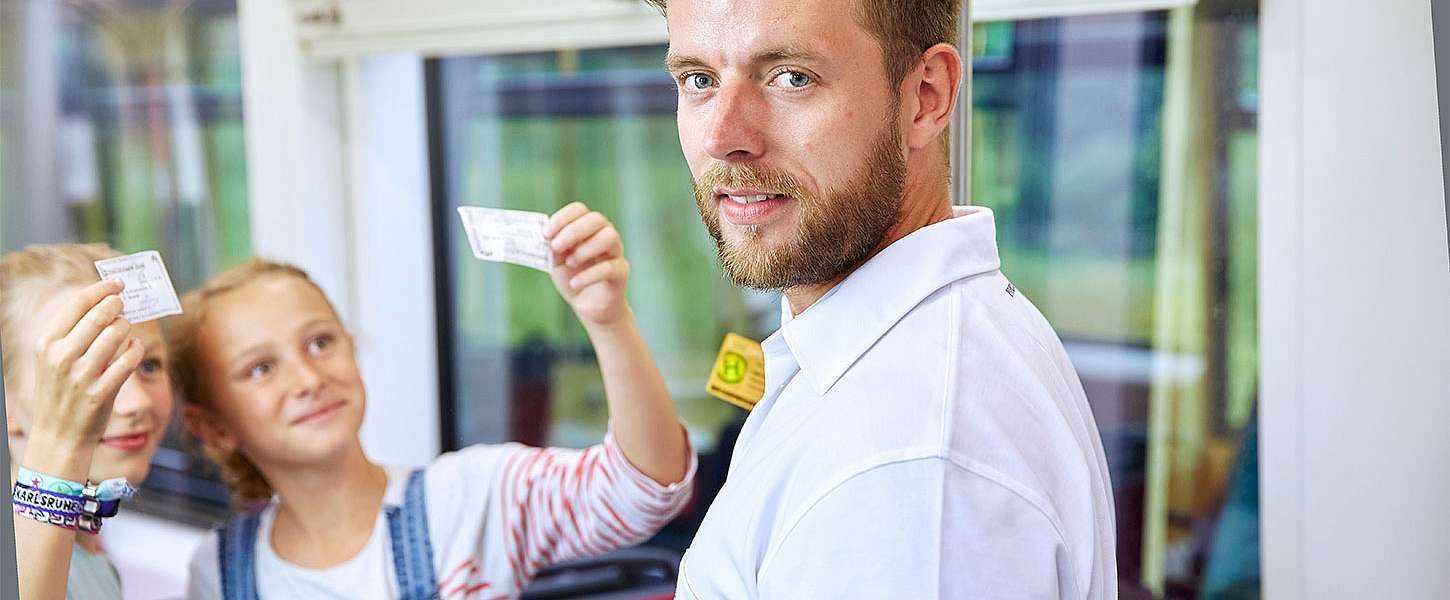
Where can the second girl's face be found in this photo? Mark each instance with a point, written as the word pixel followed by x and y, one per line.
pixel 285 380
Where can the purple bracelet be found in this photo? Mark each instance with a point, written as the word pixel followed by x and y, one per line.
pixel 65 520
pixel 56 501
pixel 59 518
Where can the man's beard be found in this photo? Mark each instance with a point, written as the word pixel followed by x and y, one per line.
pixel 835 233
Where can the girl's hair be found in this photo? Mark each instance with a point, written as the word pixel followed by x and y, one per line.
pixel 30 277
pixel 248 486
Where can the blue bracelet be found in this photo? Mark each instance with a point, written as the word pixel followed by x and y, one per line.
pixel 108 490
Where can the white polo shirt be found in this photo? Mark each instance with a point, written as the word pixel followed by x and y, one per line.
pixel 922 435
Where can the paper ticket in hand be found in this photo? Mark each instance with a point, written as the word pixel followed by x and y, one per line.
pixel 148 295
pixel 511 236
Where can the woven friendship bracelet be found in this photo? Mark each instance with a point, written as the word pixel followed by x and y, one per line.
pixel 67 520
pixel 66 503
pixel 108 490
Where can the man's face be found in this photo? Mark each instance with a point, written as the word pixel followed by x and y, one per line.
pixel 791 131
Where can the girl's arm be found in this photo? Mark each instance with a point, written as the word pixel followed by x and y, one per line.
pixel 80 363
pixel 591 274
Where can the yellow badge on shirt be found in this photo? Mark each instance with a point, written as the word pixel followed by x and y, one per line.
pixel 739 374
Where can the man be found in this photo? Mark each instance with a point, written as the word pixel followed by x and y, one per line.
pixel 922 434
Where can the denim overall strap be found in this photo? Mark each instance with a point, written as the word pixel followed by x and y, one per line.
pixel 412 546
pixel 236 555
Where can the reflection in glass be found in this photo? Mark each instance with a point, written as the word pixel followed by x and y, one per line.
pixel 535 132
pixel 1118 152
pixel 121 122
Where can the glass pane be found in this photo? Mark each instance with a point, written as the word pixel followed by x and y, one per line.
pixel 535 132
pixel 1118 152
pixel 121 122
pixel 1119 155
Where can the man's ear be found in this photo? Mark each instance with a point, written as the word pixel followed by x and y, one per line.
pixel 936 84
pixel 207 428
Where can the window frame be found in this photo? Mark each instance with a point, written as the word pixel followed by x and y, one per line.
pixel 334 89
pixel 295 75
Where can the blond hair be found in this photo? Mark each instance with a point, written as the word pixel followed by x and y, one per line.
pixel 31 276
pixel 247 484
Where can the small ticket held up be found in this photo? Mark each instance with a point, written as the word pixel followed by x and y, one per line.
pixel 148 295
pixel 511 236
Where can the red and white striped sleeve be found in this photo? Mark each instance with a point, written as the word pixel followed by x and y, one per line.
pixel 560 504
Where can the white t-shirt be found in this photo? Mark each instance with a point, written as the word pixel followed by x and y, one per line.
pixel 496 515
pixel 923 435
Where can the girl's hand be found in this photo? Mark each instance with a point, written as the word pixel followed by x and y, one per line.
pixel 82 358
pixel 589 266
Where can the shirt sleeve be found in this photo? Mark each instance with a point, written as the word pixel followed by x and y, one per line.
pixel 922 528
pixel 558 504
pixel 203 577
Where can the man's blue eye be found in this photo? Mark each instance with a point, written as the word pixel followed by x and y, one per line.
pixel 793 79
pixel 699 81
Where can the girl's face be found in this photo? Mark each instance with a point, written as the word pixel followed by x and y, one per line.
pixel 285 382
pixel 141 411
